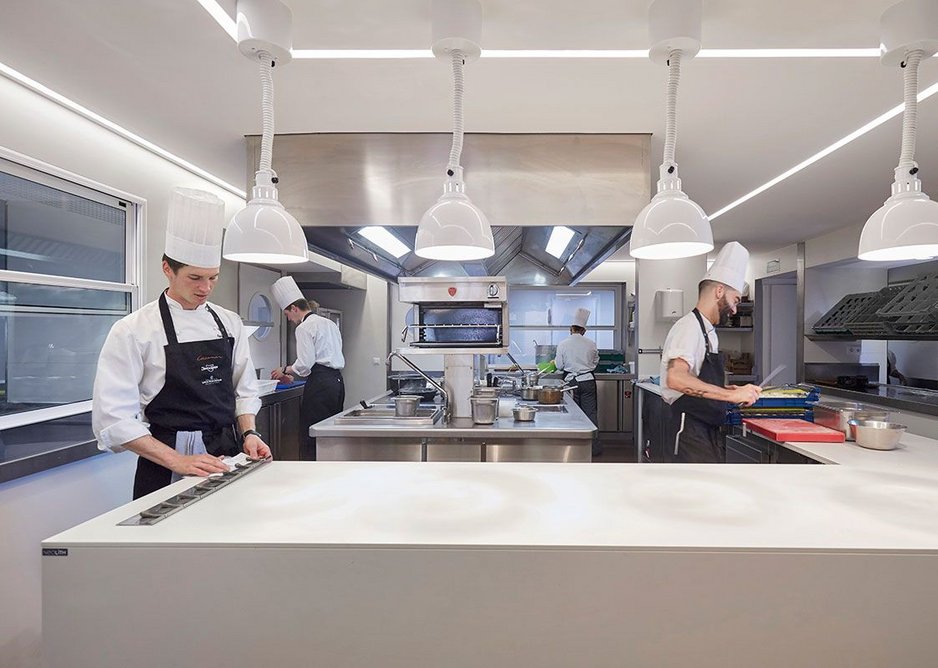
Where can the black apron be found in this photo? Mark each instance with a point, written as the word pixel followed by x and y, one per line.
pixel 198 395
pixel 323 397
pixel 585 396
pixel 696 421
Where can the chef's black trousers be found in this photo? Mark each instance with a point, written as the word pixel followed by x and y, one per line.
pixel 323 397
pixel 585 397
pixel 699 443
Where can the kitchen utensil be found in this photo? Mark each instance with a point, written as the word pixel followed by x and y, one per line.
pixel 482 391
pixel 364 405
pixel 838 414
pixel 530 393
pixel 878 435
pixel 484 409
pixel 405 405
pixel 524 413
pixel 552 395
pixel 793 430
pixel 777 370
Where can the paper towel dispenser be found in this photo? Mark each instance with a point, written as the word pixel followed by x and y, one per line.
pixel 670 304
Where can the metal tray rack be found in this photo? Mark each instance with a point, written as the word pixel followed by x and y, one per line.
pixel 834 321
pixel 916 303
pixel 867 322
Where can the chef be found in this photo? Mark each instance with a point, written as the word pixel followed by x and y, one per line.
pixel 175 383
pixel 318 357
pixel 692 369
pixel 578 357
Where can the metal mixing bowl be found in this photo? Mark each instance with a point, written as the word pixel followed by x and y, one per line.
pixel 877 435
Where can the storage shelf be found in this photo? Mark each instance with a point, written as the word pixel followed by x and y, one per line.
pixel 851 337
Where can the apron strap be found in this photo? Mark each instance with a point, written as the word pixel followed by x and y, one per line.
pixel 170 329
pixel 703 329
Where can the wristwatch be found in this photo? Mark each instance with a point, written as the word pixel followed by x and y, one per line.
pixel 247 433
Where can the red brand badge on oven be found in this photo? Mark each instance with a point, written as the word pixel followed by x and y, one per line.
pixel 452 292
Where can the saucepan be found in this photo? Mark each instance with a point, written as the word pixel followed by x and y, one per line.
pixel 552 395
pixel 530 393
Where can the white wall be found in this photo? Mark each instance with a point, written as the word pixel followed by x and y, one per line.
pixel 786 257
pixel 654 275
pixel 364 336
pixel 252 280
pixel 613 271
pixel 41 505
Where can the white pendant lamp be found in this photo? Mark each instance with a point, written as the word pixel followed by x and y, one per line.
pixel 454 228
pixel 672 225
pixel 264 232
pixel 906 226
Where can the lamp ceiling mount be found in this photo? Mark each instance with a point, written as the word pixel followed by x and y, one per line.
pixel 457 26
pixel 674 25
pixel 911 25
pixel 265 27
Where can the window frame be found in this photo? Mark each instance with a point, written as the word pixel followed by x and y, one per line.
pixel 24 167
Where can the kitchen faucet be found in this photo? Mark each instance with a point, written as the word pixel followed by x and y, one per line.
pixel 438 386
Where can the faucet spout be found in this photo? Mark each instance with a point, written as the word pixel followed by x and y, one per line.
pixel 438 386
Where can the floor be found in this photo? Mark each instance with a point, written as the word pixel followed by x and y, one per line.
pixel 616 452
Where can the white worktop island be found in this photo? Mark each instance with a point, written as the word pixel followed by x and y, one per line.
pixel 480 564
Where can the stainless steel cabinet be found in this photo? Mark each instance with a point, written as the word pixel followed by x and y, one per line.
pixel 279 422
pixel 608 407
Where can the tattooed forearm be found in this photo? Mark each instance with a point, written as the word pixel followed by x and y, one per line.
pixel 694 392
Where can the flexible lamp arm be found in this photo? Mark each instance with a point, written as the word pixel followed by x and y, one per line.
pixel 267 115
pixel 910 114
pixel 455 153
pixel 670 133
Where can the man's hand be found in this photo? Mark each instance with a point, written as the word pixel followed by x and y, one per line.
pixel 277 374
pixel 200 465
pixel 744 395
pixel 255 448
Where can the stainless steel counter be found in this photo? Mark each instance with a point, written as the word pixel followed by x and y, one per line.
pixel 558 433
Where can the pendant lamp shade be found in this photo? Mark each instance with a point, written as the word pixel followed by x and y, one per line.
pixel 264 232
pixel 904 228
pixel 454 228
pixel 670 226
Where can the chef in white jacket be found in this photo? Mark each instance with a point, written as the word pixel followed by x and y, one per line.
pixel 175 383
pixel 318 358
pixel 578 357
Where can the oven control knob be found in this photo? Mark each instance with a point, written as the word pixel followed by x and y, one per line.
pixel 493 290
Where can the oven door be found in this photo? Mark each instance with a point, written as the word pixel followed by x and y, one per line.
pixel 459 326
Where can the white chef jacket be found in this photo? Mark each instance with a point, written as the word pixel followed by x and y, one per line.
pixel 318 341
pixel 577 355
pixel 686 342
pixel 132 368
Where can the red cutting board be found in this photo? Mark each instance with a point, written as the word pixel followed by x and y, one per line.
pixel 793 430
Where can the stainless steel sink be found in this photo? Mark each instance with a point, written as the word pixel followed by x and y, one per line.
pixel 377 415
pixel 550 408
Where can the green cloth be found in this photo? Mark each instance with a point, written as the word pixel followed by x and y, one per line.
pixel 547 367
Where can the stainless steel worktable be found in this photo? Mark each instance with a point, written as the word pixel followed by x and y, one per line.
pixel 554 435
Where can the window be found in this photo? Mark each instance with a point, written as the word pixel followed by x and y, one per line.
pixel 67 274
pixel 540 318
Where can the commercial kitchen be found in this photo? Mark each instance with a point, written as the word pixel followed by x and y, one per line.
pixel 624 320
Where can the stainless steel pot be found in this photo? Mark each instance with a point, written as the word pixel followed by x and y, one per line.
pixel 524 413
pixel 529 379
pixel 552 395
pixel 484 409
pixel 405 405
pixel 530 393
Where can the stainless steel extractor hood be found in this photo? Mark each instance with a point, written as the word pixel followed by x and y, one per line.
pixel 335 184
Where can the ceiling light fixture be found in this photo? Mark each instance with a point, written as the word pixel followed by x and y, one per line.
pixel 672 225
pixel 906 226
pixel 454 228
pixel 264 231
pixel 385 240
pixel 559 239
pixel 111 126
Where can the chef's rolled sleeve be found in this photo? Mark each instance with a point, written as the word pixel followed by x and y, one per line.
pixel 243 375
pixel 115 411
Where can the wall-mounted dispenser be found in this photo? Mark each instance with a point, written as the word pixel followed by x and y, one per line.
pixel 670 304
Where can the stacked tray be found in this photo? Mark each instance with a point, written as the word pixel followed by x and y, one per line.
pixel 789 402
pixel 914 310
pixel 834 321
pixel 866 321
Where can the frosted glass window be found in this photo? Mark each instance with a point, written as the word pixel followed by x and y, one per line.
pixel 44 230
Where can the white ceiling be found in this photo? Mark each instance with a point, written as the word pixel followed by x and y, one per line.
pixel 165 70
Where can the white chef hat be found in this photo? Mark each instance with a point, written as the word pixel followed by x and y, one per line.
pixel 580 317
pixel 286 291
pixel 730 267
pixel 194 228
